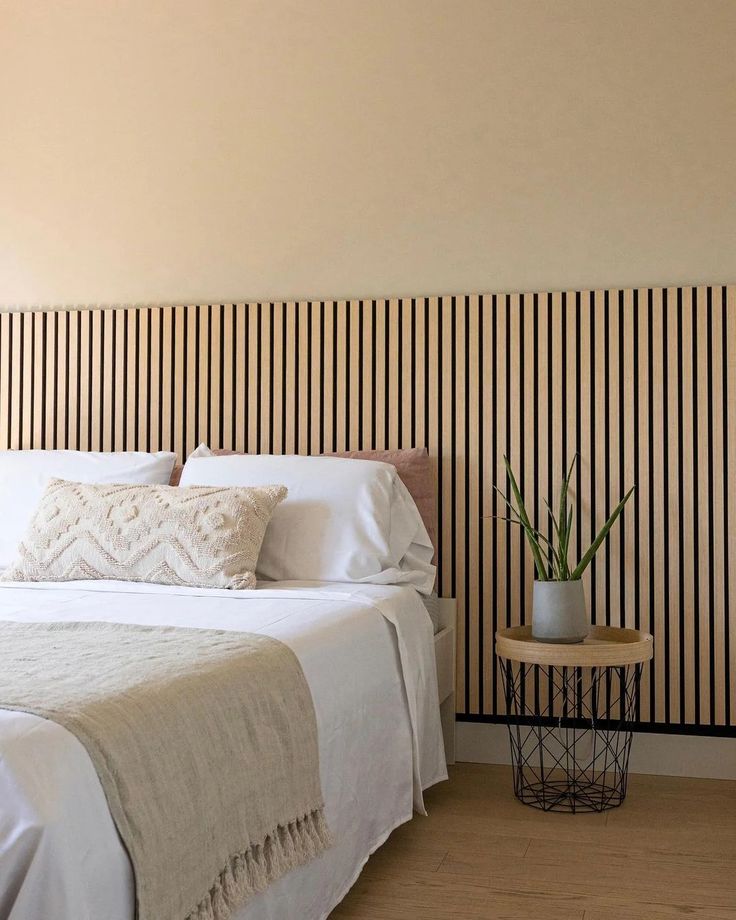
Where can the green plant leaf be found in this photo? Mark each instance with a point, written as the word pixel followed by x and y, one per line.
pixel 556 532
pixel 532 534
pixel 595 545
pixel 516 519
pixel 568 531
pixel 563 526
pixel 524 517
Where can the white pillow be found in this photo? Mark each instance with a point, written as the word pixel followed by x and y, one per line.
pixel 343 520
pixel 24 475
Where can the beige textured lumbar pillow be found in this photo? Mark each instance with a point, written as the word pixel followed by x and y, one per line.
pixel 201 536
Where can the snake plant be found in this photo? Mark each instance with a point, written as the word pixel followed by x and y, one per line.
pixel 551 556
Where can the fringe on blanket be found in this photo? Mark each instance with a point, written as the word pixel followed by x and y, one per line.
pixel 287 847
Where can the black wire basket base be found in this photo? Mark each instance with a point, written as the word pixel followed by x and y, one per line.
pixel 564 795
pixel 570 734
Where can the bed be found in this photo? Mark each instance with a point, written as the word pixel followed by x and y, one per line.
pixel 368 656
pixel 276 615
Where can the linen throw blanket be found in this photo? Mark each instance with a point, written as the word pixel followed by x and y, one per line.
pixel 205 743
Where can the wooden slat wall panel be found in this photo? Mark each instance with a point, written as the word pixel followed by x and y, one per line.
pixel 638 382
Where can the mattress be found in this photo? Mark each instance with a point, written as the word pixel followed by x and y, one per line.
pixel 367 654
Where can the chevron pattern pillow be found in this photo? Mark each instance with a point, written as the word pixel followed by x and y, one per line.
pixel 200 536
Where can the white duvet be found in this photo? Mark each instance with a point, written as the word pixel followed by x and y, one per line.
pixel 367 654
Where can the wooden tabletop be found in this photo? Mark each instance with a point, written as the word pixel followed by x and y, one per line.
pixel 605 646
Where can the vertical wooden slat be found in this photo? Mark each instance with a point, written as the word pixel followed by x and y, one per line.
pixel 572 404
pixel 673 498
pixel 72 383
pixel 315 390
pixel 119 379
pixel 304 378
pixel 421 438
pixel 93 380
pixel 559 415
pixel 501 614
pixel 407 374
pixel 487 400
pixel 165 331
pixel 688 565
pixel 199 360
pixel 39 378
pixel 717 501
pixel 239 372
pixel 340 375
pixel 16 378
pixel 214 395
pixel 137 407
pixel 83 416
pixel 446 484
pixel 5 380
pixel 599 455
pixel 517 546
pixel 702 456
pixel 642 560
pixel 471 480
pixel 729 359
pixel 529 463
pixel 458 458
pixel 369 358
pixel 27 388
pixel 228 337
pixel 187 324
pixel 615 597
pixel 276 389
pixel 354 376
pixel 107 405
pixel 182 381
pixel 629 419
pixel 251 381
pixel 432 402
pixel 393 375
pixel 380 382
pixel 291 392
pixel 583 480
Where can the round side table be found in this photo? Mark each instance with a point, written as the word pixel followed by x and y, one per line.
pixel 570 709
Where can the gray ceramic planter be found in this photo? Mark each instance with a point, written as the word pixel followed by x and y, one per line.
pixel 559 613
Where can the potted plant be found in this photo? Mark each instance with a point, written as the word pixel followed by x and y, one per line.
pixel 558 613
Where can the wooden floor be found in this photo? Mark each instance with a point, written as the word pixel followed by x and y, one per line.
pixel 669 851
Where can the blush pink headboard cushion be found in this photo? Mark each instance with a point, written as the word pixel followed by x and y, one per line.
pixel 413 464
pixel 176 474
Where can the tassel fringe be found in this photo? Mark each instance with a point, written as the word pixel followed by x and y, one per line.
pixel 287 847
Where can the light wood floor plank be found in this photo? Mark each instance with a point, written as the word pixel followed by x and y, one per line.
pixel 618 911
pixel 668 852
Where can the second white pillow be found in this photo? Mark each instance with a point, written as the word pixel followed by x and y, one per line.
pixel 343 520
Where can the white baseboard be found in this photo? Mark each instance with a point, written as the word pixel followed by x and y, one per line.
pixel 665 755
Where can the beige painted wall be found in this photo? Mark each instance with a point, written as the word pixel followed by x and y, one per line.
pixel 173 150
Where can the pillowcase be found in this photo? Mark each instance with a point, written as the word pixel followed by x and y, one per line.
pixel 343 520
pixel 416 470
pixel 24 474
pixel 200 537
pixel 413 464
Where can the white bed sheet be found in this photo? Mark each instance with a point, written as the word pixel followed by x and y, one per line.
pixel 367 654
